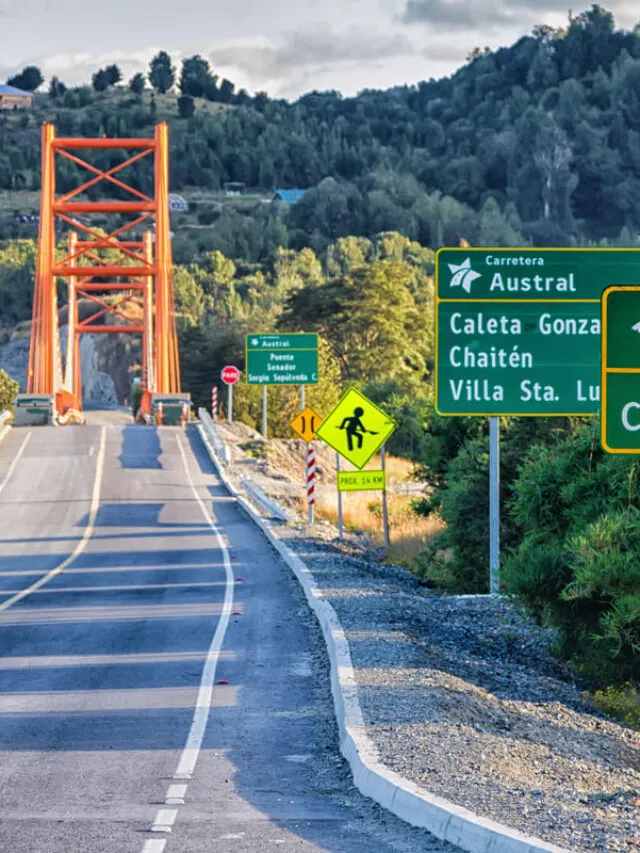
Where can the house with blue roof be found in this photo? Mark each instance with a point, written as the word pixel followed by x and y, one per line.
pixel 288 196
pixel 14 99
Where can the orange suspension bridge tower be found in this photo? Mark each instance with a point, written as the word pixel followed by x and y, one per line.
pixel 127 277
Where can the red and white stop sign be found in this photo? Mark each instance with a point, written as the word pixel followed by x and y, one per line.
pixel 230 374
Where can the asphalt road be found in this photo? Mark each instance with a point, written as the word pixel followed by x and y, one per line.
pixel 105 669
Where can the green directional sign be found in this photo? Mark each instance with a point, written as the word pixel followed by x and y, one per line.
pixel 282 359
pixel 620 422
pixel 518 330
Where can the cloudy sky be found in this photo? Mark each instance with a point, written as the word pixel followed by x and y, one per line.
pixel 284 46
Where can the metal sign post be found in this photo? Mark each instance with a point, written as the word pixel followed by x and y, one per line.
pixel 230 375
pixel 340 527
pixel 494 505
pixel 264 412
pixel 385 509
pixel 302 402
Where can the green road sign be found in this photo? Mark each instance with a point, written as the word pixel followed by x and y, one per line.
pixel 282 359
pixel 361 481
pixel 518 330
pixel 620 422
pixel 356 428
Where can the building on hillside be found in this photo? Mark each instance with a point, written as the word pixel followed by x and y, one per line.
pixel 14 99
pixel 288 196
pixel 233 188
pixel 177 204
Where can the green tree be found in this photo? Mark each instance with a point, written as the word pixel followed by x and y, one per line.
pixel 56 88
pixel 29 79
pixel 114 74
pixel 186 106
pixel 100 80
pixel 195 77
pixel 161 72
pixel 372 322
pixel 136 84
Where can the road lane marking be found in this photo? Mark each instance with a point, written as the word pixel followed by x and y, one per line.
pixel 190 753
pixel 13 465
pixel 175 795
pixel 82 544
pixel 154 845
pixel 164 820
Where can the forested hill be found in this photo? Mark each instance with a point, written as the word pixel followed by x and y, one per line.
pixel 547 130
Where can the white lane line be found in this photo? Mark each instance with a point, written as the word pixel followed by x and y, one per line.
pixel 190 753
pixel 175 795
pixel 13 465
pixel 154 845
pixel 164 820
pixel 82 544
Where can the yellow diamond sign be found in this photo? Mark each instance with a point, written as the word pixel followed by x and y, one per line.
pixel 356 428
pixel 305 424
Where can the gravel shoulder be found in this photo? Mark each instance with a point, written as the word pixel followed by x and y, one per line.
pixel 463 696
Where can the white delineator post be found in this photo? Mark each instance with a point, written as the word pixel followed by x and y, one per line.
pixel 214 402
pixel 311 480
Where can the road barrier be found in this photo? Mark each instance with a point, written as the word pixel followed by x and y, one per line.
pixel 5 424
pixel 219 446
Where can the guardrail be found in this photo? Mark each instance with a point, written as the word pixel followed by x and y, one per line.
pixel 253 490
pixel 219 446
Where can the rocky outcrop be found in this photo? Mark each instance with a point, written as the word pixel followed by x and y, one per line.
pixel 97 385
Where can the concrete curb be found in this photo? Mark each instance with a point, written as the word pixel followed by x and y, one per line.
pixel 409 801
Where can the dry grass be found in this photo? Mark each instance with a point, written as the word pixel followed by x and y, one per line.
pixel 408 532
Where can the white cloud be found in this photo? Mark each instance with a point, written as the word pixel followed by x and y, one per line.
pixel 282 64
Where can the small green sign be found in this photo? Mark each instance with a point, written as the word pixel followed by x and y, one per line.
pixel 518 330
pixel 620 422
pixel 282 359
pixel 361 481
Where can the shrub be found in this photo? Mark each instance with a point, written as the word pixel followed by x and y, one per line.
pixel 578 565
pixel 8 390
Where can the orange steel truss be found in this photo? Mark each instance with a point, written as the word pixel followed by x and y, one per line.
pixel 141 273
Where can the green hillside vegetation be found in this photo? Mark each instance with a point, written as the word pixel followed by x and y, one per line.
pixel 534 144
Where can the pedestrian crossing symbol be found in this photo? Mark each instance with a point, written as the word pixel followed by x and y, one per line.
pixel 305 424
pixel 356 428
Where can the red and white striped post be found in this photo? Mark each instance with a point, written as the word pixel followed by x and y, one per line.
pixel 311 480
pixel 214 402
pixel 160 414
